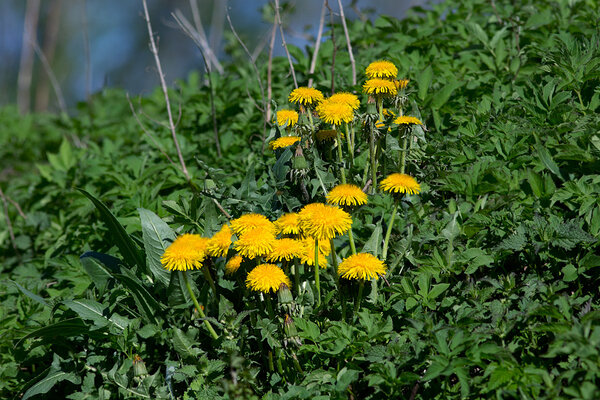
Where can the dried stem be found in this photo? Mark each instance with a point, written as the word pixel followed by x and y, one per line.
pixel 51 77
pixel 199 37
pixel 163 85
pixel 352 62
pixel 187 28
pixel 313 62
pixel 289 57
pixel 8 223
pixel 24 79
pixel 146 132
pixel 86 50
pixel 334 49
pixel 42 92
pixel 17 206
pixel 270 69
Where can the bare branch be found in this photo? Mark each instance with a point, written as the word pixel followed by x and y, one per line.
pixel 42 92
pixel 147 133
pixel 199 37
pixel 334 49
pixel 24 79
pixel 289 57
pixel 313 62
pixel 217 23
pixel 51 77
pixel 86 50
pixel 163 85
pixel 17 206
pixel 270 69
pixel 350 53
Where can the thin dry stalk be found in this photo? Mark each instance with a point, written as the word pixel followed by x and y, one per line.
pixel 217 23
pixel 17 206
pixel 24 79
pixel 53 81
pixel 187 28
pixel 163 85
pixel 8 223
pixel 334 49
pixel 313 62
pixel 287 52
pixel 270 69
pixel 147 133
pixel 42 92
pixel 256 71
pixel 200 38
pixel 350 53
pixel 86 51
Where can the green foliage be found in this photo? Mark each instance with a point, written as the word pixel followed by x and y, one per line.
pixel 492 277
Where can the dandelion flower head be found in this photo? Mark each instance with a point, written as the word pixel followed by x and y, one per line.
pixel 381 69
pixel 255 243
pixel 407 120
pixel 233 264
pixel 287 224
pixel 400 183
pixel 248 222
pixel 328 134
pixel 186 252
pixel 335 113
pixel 401 83
pixel 266 278
pixel 324 222
pixel 347 195
pixel 306 96
pixel 378 86
pixel 287 117
pixel 346 98
pixel 219 244
pixel 285 249
pixel 363 266
pixel 284 141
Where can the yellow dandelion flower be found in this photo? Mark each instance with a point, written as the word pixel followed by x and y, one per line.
pixel 324 222
pixel 254 243
pixel 363 266
pixel 401 83
pixel 287 224
pixel 347 195
pixel 346 98
pixel 381 69
pixel 308 254
pixel 186 252
pixel 335 113
pixel 400 183
pixel 220 242
pixel 388 113
pixel 306 96
pixel 233 264
pixel 284 141
pixel 407 120
pixel 380 87
pixel 328 134
pixel 309 246
pixel 248 222
pixel 266 278
pixel 379 124
pixel 287 117
pixel 285 249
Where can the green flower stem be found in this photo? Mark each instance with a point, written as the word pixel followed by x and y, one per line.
pixel 350 141
pixel 310 118
pixel 340 160
pixel 334 262
pixel 373 163
pixel 317 282
pixel 269 304
pixel 210 281
pixel 386 242
pixel 296 363
pixel 403 152
pixel 198 307
pixel 351 239
pixel 270 357
pixel 361 287
pixel 380 107
pixel 296 276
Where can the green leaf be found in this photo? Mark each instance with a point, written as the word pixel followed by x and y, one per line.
pixel 184 345
pixel 122 240
pixel 438 289
pixel 48 382
pixel 94 311
pixel 146 304
pixel 547 160
pixel 29 294
pixel 442 96
pixel 345 377
pixel 65 328
pixel 424 81
pixel 372 245
pixel 569 273
pixel 98 272
pixel 157 236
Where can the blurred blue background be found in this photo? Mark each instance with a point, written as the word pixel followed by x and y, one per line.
pixel 92 44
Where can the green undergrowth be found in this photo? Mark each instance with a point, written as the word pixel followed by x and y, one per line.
pixel 492 286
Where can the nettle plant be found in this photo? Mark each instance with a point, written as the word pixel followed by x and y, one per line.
pixel 294 260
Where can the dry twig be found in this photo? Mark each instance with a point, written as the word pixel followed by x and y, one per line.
pixel 270 69
pixel 352 62
pixel 163 85
pixel 53 81
pixel 8 223
pixel 287 52
pixel 313 62
pixel 334 49
pixel 200 38
pixel 24 79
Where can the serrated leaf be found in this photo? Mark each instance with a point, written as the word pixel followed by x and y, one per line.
pixel 30 294
pixel 372 245
pixel 184 345
pixel 94 311
pixel 157 236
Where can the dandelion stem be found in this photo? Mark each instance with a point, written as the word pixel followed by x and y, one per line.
pixel 317 282
pixel 351 238
pixel 403 152
pixel 269 304
pixel 198 306
pixel 334 262
pixel 296 277
pixel 373 162
pixel 350 141
pixel 271 367
pixel 210 280
pixel 388 233
pixel 339 151
pixel 361 287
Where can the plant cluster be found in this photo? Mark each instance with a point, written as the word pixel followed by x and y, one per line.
pixel 454 219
